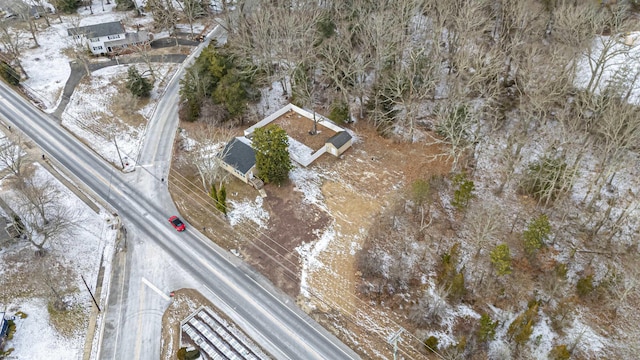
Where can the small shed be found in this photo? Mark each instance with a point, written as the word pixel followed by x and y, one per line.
pixel 339 143
pixel 239 158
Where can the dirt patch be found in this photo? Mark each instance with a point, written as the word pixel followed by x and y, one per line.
pixel 299 128
pixel 355 187
pixel 290 225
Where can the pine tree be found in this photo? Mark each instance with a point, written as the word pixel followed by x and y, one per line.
pixel 138 85
pixel 464 193
pixel 214 193
pixel 222 200
pixel 521 328
pixel 272 154
pixel 487 329
pixel 537 231
pixel 501 259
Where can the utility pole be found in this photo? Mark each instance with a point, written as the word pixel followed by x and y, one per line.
pixel 393 340
pixel 90 293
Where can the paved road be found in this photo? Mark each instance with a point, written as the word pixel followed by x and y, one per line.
pixel 253 303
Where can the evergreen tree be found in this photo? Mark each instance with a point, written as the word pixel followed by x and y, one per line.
pixel 487 329
pixel 339 112
pixel 464 193
pixel 501 259
pixel 231 93
pixel 9 74
pixel 68 6
pixel 272 154
pixel 537 231
pixel 521 328
pixel 222 200
pixel 138 85
pixel 214 193
pixel 431 344
pixel 124 5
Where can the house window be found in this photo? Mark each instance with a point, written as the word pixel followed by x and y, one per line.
pixel 96 48
pixel 95 40
pixel 111 37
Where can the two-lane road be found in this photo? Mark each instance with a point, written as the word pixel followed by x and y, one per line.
pixel 259 308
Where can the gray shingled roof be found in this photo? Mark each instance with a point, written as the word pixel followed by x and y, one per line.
pixel 339 139
pixel 130 38
pixel 98 30
pixel 239 155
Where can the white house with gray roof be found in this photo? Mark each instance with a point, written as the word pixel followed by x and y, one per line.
pixel 239 157
pixel 108 37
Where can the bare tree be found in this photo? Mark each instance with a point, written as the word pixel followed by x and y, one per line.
pixel 24 11
pixel 165 16
pixel 78 45
pixel 41 5
pixel 12 43
pixel 412 86
pixel 277 50
pixel 44 217
pixel 457 127
pixel 144 51
pixel 203 155
pixel 11 154
pixel 345 67
pixel 192 9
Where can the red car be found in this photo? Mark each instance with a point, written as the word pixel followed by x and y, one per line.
pixel 179 225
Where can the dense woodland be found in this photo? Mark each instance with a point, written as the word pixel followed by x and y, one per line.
pixel 535 230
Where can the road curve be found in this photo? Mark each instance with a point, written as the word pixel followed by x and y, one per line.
pixel 254 300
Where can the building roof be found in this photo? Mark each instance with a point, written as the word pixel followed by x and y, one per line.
pixel 239 155
pixel 339 139
pixel 130 38
pixel 98 30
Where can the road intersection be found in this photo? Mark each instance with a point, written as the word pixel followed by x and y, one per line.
pixel 157 258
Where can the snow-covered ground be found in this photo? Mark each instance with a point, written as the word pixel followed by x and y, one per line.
pixel 82 252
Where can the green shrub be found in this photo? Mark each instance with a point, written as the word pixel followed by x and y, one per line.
pixel 192 355
pixel 181 353
pixel 9 74
pixel 585 286
pixel 561 270
pixel 21 315
pixel 560 352
pixel 431 344
pixel 67 6
pixel 420 191
pixel 124 5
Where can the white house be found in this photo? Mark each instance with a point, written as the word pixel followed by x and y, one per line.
pixel 108 37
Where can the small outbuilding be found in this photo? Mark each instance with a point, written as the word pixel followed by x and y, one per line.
pixel 339 143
